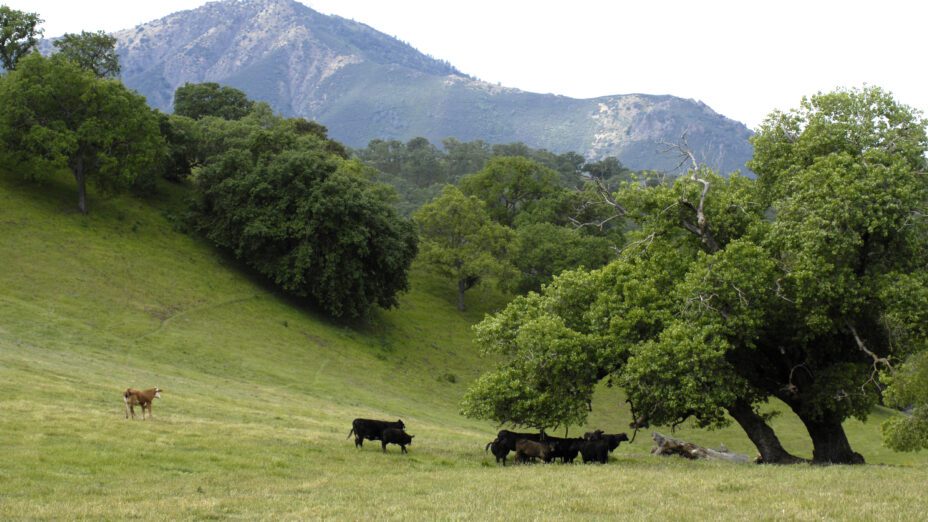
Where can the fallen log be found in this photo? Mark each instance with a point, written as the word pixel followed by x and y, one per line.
pixel 671 446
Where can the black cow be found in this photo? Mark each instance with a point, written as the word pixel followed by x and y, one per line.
pixel 613 440
pixel 530 450
pixel 595 451
pixel 371 429
pixel 500 451
pixel 395 436
pixel 568 449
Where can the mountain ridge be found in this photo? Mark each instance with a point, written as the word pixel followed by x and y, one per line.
pixel 363 85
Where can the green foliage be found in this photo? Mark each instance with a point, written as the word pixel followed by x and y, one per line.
pixel 19 35
pixel 196 100
pixel 290 209
pixel 181 135
pixel 95 52
pixel 543 250
pixel 58 116
pixel 908 388
pixel 509 185
pixel 552 362
pixel 461 242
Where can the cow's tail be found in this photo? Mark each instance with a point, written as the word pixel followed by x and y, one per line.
pixel 350 432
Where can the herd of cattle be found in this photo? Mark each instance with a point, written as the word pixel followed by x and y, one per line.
pixel 595 446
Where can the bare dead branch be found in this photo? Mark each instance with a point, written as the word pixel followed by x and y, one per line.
pixel 779 293
pixel 877 360
pixel 683 150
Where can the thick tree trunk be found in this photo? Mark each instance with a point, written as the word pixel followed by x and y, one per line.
pixel 762 435
pixel 829 443
pixel 462 286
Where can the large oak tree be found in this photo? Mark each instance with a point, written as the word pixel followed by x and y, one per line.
pixel 800 286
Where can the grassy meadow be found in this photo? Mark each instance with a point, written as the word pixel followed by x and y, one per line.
pixel 259 393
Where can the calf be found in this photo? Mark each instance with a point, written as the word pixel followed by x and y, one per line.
pixel 132 398
pixel 371 429
pixel 530 449
pixel 500 451
pixel 395 436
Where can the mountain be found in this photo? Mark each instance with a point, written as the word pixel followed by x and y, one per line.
pixel 363 84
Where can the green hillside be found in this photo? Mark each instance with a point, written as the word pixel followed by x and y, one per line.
pixel 259 394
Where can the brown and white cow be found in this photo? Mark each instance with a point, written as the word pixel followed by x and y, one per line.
pixel 143 398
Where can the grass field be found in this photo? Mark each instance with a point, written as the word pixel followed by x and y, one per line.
pixel 260 392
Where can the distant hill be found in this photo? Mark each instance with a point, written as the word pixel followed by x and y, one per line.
pixel 363 84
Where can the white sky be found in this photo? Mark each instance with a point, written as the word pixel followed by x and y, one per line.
pixel 741 57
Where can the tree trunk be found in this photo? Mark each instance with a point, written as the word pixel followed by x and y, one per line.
pixel 829 443
pixel 462 286
pixel 762 435
pixel 81 179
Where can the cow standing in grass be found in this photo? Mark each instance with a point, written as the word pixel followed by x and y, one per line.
pixel 132 398
pixel 371 429
pixel 530 450
pixel 500 451
pixel 395 436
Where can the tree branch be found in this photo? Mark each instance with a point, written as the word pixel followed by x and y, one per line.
pixel 877 360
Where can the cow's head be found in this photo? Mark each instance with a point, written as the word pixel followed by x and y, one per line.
pixel 157 393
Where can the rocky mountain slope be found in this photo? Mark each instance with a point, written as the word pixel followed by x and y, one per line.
pixel 363 84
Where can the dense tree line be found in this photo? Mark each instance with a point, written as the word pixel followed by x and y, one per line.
pixel 551 219
pixel 419 169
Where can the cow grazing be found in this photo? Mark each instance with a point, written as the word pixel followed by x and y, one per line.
pixel 500 451
pixel 371 429
pixel 530 450
pixel 395 436
pixel 132 398
pixel 595 451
